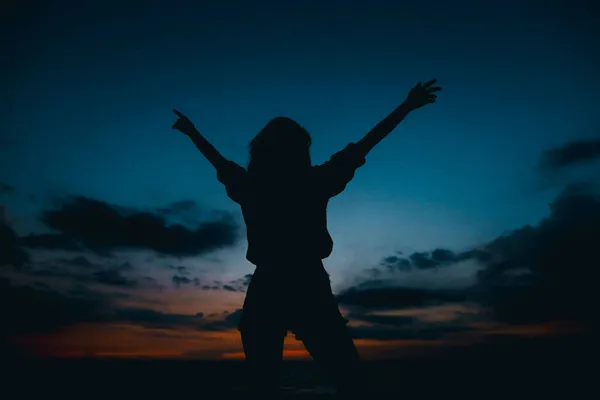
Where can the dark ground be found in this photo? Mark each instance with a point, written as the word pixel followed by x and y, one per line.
pixel 506 369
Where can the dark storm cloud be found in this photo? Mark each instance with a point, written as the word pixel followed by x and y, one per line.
pixel 81 269
pixel 414 331
pixel 395 263
pixel 80 290
pixel 11 252
pixel 79 261
pixel 50 241
pixel 236 285
pixel 532 274
pixel 180 280
pixel 376 295
pixel 389 320
pixel 113 277
pixel 159 320
pixel 572 153
pixel 184 211
pixel 150 282
pixel 34 309
pixel 108 276
pixel 178 207
pixel 231 321
pixel 6 188
pixel 443 256
pixel 422 260
pixel 155 319
pixel 394 327
pixel 548 271
pixel 180 269
pixel 103 227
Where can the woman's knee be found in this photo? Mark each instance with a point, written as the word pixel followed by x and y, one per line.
pixel 333 346
pixel 262 344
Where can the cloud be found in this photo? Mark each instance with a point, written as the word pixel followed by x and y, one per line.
pixel 180 269
pixel 230 321
pixel 439 257
pixel 81 269
pixel 408 331
pixel 34 309
pixel 179 207
pixel 78 261
pixel 571 153
pixel 377 295
pixel 389 320
pixel 533 274
pixel 49 241
pixel 109 277
pixel 548 271
pixel 180 280
pixel 150 282
pixel 6 188
pixel 82 222
pixel 184 211
pixel 11 252
pixel 387 312
pixel 236 285
pixel 113 277
pixel 152 319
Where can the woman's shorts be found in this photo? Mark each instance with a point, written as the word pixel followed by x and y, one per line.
pixel 291 299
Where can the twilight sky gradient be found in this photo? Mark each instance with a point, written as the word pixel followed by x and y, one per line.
pixel 87 153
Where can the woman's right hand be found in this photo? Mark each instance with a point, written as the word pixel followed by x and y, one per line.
pixel 183 124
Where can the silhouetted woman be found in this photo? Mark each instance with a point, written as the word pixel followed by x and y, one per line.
pixel 284 198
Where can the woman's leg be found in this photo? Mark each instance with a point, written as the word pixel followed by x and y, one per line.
pixel 334 349
pixel 262 334
pixel 263 349
pixel 325 334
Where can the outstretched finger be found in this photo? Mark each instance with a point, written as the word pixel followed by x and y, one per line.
pixel 179 114
pixel 434 89
pixel 431 82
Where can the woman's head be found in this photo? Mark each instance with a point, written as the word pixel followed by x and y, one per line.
pixel 281 146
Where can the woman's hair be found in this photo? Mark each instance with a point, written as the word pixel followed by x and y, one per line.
pixel 281 145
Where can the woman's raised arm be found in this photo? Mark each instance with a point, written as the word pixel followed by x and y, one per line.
pixel 185 126
pixel 419 96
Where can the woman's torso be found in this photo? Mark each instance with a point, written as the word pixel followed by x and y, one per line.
pixel 286 219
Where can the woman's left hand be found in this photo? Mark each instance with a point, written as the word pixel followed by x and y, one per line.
pixel 422 95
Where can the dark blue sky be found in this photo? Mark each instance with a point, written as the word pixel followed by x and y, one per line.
pixel 86 98
pixel 91 86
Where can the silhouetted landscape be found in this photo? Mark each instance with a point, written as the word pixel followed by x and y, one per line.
pixel 506 369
